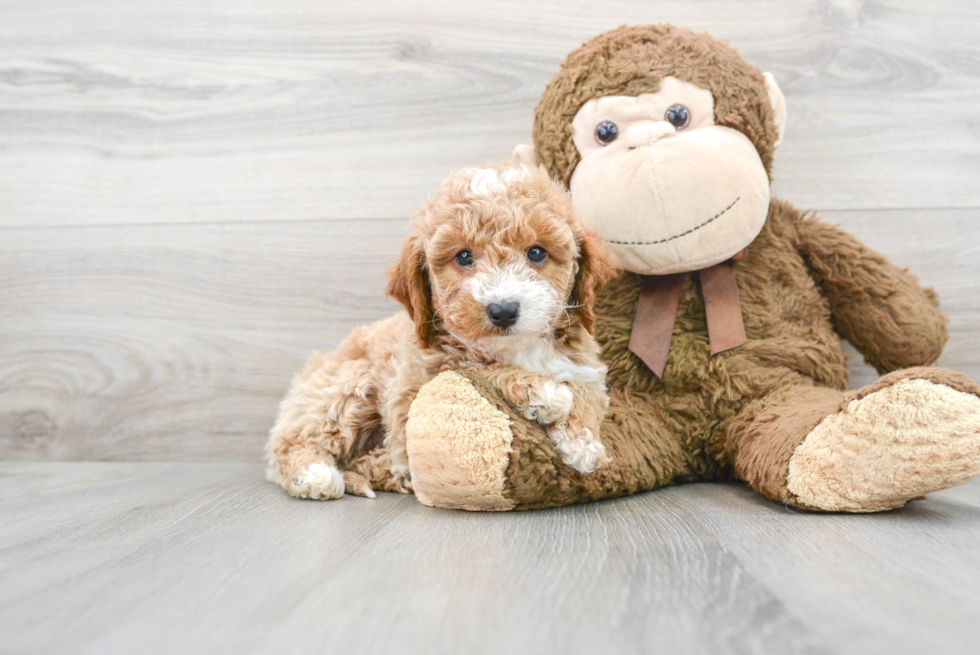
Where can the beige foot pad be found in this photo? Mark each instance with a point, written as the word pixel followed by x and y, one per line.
pixel 459 446
pixel 893 445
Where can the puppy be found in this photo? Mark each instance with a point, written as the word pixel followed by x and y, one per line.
pixel 498 277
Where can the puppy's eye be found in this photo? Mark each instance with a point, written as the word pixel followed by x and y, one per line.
pixel 606 132
pixel 678 116
pixel 464 258
pixel 536 254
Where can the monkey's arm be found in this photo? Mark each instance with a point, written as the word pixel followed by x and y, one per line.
pixel 877 306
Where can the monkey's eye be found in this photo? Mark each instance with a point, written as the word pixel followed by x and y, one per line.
pixel 464 258
pixel 606 132
pixel 678 116
pixel 536 254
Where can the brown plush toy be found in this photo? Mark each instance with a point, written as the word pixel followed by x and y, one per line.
pixel 723 335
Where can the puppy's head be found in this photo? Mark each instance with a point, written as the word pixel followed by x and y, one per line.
pixel 497 257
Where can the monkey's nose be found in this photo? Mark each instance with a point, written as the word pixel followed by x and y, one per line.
pixel 503 314
pixel 646 133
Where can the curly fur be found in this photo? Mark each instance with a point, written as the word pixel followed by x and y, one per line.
pixel 342 424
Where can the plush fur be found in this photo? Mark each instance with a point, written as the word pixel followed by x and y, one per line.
pixel 342 424
pixel 773 412
pixel 631 61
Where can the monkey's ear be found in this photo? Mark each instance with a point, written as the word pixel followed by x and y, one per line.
pixel 408 283
pixel 778 103
pixel 525 154
pixel 596 266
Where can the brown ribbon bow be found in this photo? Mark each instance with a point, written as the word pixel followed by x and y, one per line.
pixel 656 312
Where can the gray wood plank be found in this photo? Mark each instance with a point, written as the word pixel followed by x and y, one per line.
pixel 118 112
pixel 164 342
pixel 162 558
pixel 176 342
pixel 186 558
pixel 842 573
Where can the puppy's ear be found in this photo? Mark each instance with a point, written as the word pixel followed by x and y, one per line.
pixel 596 266
pixel 408 283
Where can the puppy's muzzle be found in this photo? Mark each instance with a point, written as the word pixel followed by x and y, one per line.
pixel 503 314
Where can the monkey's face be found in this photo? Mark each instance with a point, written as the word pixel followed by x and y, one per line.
pixel 667 188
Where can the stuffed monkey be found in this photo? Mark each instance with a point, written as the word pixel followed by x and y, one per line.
pixel 722 335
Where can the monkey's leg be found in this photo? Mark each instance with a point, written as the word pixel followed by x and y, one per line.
pixel 470 449
pixel 911 433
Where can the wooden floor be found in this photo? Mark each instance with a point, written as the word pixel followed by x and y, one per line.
pixel 111 557
pixel 193 195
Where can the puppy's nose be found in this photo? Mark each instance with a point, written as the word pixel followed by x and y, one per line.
pixel 503 314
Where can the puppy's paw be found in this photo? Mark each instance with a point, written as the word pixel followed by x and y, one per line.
pixel 548 403
pixel 357 485
pixel 581 450
pixel 318 481
pixel 401 480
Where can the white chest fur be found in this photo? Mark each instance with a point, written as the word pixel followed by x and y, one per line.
pixel 540 356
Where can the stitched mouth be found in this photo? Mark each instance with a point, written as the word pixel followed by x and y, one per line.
pixel 682 234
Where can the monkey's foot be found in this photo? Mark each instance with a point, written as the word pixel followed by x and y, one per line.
pixel 459 446
pixel 912 433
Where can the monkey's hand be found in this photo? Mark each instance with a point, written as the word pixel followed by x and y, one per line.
pixel 880 308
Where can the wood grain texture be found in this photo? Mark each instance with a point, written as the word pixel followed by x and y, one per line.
pixel 177 342
pixel 195 194
pixel 194 558
pixel 164 170
pixel 164 342
pixel 181 111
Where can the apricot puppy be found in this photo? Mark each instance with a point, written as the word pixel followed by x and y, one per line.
pixel 498 277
